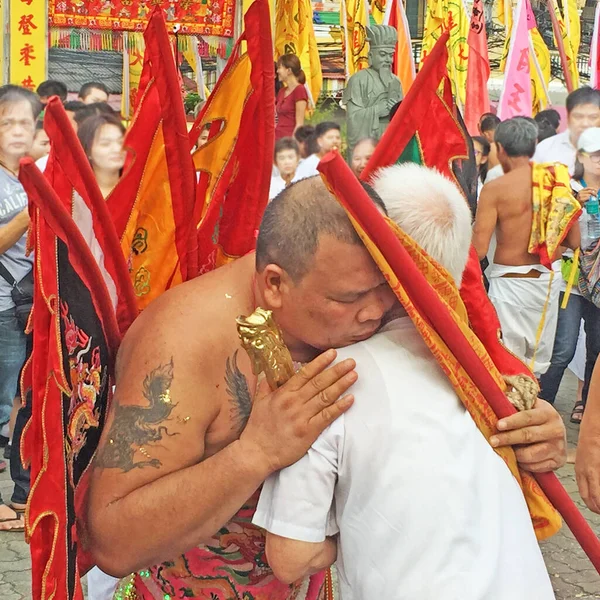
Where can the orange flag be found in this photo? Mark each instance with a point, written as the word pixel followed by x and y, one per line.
pixel 153 204
pixel 404 62
pixel 241 114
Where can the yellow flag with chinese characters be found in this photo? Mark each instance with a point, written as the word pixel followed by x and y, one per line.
pixel 294 34
pixel 570 51
pixel 573 24
pixel 377 10
pixel 503 13
pixel 451 15
pixel 539 61
pixel 132 72
pixel 28 32
pixel 354 20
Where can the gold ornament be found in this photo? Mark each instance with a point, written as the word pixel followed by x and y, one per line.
pixel 262 340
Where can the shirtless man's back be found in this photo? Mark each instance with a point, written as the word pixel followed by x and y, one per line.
pixel 511 195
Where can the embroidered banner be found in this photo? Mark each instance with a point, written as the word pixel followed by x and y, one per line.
pixel 191 16
pixel 27 42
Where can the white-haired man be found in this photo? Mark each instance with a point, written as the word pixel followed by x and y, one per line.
pixel 423 506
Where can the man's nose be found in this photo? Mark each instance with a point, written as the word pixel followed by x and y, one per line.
pixel 379 304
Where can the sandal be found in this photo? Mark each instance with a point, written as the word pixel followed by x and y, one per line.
pixel 17 509
pixel 577 414
pixel 19 529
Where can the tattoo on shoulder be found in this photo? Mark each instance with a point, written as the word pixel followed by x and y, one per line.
pixel 135 428
pixel 237 388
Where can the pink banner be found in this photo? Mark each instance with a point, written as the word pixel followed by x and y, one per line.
pixel 515 100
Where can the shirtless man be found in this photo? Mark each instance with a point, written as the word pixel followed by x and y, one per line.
pixel 152 501
pixel 524 293
pixel 166 483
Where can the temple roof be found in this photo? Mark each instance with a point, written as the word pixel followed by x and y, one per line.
pixel 76 67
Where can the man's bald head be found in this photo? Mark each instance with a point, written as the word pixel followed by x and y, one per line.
pixel 293 223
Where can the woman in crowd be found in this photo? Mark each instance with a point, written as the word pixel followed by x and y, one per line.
pixel 287 159
pixel 102 139
pixel 482 152
pixel 585 184
pixel 292 98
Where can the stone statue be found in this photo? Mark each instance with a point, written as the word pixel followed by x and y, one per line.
pixel 371 93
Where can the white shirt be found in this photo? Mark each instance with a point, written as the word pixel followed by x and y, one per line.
pixel 557 148
pixel 424 507
pixel 277 186
pixel 494 173
pixel 41 163
pixel 307 168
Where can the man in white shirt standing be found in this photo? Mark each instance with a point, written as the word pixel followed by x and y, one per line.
pixel 583 112
pixel 423 506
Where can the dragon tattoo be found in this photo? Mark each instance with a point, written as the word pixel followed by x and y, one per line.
pixel 134 427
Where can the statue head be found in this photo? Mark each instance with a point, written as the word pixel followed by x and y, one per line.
pixel 382 44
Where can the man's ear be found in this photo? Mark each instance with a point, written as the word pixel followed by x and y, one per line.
pixel 274 282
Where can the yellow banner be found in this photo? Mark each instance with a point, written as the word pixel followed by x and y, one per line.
pixel 133 61
pixel 294 34
pixel 354 20
pixel 450 15
pixel 377 9
pixel 539 61
pixel 571 53
pixel 503 14
pixel 28 27
pixel 573 24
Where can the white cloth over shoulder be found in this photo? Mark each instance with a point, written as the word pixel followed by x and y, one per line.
pixel 424 507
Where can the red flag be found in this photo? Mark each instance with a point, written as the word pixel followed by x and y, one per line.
pixel 426 130
pixel 478 70
pixel 153 204
pixel 71 176
pixel 414 133
pixel 75 340
pixel 241 110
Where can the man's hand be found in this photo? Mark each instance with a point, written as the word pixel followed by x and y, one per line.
pixel 284 423
pixel 539 437
pixel 587 470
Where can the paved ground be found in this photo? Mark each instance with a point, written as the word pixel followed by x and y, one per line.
pixel 572 575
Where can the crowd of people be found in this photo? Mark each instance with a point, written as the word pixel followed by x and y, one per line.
pixel 312 444
pixel 101 133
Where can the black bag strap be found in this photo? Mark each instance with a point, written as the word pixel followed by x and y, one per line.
pixel 5 274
